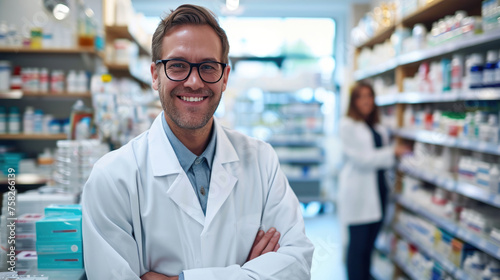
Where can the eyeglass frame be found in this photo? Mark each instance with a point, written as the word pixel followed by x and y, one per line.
pixel 191 65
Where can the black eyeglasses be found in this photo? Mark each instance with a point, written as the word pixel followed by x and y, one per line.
pixel 178 70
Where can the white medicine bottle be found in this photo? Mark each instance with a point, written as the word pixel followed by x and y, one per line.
pixel 28 120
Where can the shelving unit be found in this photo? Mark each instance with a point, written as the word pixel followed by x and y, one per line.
pixel 446 264
pixel 124 70
pixel 24 50
pixel 60 136
pixel 441 139
pixel 404 65
pixel 20 94
pixel 479 241
pixel 123 31
pixel 421 98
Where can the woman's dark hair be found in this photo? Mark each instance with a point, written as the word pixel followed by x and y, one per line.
pixel 353 112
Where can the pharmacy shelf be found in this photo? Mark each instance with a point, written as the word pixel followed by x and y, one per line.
pixel 123 31
pixel 466 189
pixel 380 37
pixel 441 139
pixel 459 44
pixel 431 12
pixel 294 179
pixel 387 66
pixel 435 10
pixel 478 193
pixel 301 160
pixel 122 70
pixel 23 50
pixel 60 136
pixel 410 272
pixel 418 97
pixel 446 264
pixel 479 241
pixel 387 99
pixel 292 143
pixel 17 94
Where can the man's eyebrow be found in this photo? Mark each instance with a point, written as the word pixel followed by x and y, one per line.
pixel 202 60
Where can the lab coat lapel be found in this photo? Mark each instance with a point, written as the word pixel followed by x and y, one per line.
pixel 222 181
pixel 164 163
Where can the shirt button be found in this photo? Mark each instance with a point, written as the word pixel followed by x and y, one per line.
pixel 198 160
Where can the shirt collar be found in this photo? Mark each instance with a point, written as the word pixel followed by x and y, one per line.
pixel 185 156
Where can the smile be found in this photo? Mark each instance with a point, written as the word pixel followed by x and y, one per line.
pixel 192 99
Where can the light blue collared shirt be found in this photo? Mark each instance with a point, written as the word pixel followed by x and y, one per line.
pixel 197 168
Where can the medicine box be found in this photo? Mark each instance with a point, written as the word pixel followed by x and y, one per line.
pixel 63 210
pixel 459 251
pixel 59 228
pixel 60 261
pixel 58 247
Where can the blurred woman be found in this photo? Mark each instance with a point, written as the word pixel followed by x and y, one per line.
pixel 362 185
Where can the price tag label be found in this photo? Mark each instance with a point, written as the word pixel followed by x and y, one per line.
pixel 483 244
pixel 496 200
pixel 483 146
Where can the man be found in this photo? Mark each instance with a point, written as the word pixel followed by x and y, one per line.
pixel 187 198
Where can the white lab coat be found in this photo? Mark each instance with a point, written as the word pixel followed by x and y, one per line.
pixel 358 197
pixel 140 213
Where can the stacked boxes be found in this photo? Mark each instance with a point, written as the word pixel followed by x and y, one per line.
pixel 59 238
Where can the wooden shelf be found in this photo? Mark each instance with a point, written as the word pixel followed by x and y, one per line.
pixel 380 37
pixel 60 136
pixel 122 31
pixel 23 50
pixel 123 70
pixel 17 94
pixel 429 13
pixel 438 9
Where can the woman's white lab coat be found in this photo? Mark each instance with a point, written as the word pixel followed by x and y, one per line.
pixel 140 213
pixel 358 197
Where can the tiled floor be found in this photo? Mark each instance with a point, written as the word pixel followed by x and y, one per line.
pixel 325 232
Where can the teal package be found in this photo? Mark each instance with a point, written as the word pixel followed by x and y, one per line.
pixel 63 210
pixel 59 229
pixel 60 261
pixel 58 247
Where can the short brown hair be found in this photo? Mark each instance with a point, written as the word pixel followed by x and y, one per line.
pixel 188 14
pixel 353 111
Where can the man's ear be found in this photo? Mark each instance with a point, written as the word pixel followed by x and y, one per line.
pixel 154 75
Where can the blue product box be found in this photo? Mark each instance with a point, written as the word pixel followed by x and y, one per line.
pixel 59 229
pixel 60 261
pixel 63 210
pixel 58 247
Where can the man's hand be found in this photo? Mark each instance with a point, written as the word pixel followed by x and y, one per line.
pixel 264 243
pixel 157 276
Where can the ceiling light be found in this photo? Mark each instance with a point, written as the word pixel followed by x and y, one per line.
pixel 58 8
pixel 232 5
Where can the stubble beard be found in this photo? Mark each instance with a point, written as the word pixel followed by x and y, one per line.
pixel 186 121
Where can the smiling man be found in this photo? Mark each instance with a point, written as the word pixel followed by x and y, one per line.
pixel 190 199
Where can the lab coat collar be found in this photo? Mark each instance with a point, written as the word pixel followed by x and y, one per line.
pixel 164 162
pixel 163 158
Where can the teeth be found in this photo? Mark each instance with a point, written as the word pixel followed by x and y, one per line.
pixel 192 99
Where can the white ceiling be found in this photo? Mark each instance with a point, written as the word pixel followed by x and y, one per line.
pixel 255 8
